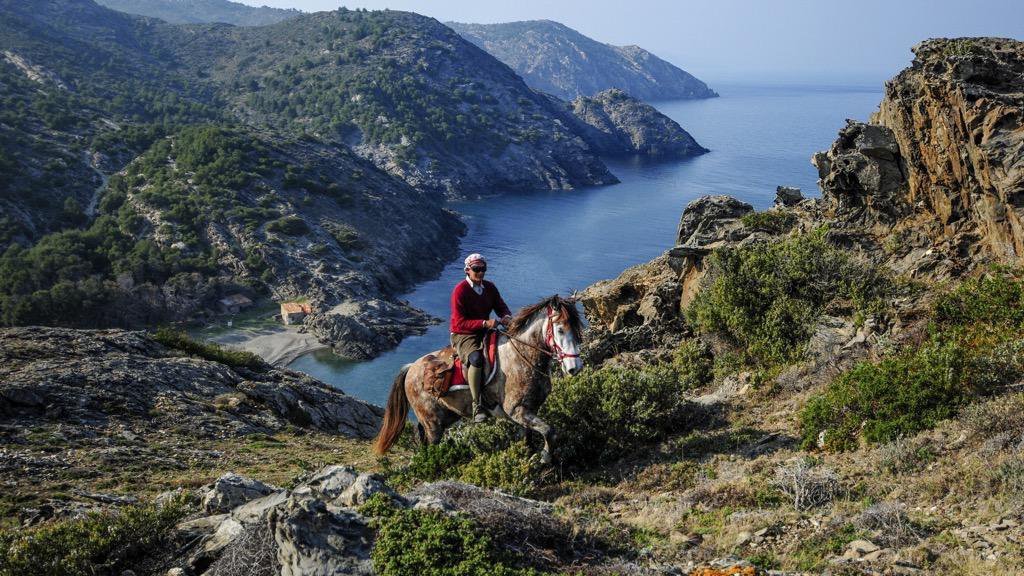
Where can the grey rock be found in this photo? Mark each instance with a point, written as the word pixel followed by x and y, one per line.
pixel 861 175
pixel 712 220
pixel 315 540
pixel 788 196
pixel 105 376
pixel 330 482
pixel 231 491
pixel 365 487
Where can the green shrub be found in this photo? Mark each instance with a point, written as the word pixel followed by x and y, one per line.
pixel 901 395
pixel 181 341
pixel 432 543
pixel 100 543
pixel 771 221
pixel 974 348
pixel 514 470
pixel 995 300
pixel 611 412
pixel 694 364
pixel 289 226
pixel 766 297
pixel 491 454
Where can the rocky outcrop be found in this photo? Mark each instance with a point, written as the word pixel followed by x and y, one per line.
pixel 956 115
pixel 310 531
pixel 554 58
pixel 109 378
pixel 938 170
pixel 616 123
pixel 642 308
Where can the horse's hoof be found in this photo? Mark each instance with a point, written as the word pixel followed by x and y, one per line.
pixel 545 458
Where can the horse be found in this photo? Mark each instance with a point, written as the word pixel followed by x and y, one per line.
pixel 548 330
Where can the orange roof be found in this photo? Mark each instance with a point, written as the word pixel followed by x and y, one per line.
pixel 295 308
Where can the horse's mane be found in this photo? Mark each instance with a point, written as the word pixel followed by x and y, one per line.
pixel 525 315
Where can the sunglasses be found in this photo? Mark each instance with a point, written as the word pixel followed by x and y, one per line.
pixel 478 268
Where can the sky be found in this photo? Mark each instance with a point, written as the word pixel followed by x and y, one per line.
pixel 785 41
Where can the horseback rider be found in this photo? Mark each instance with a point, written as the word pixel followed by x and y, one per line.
pixel 473 300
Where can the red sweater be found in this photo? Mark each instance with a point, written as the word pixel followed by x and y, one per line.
pixel 469 309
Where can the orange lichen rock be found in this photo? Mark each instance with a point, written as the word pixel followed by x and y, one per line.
pixel 730 571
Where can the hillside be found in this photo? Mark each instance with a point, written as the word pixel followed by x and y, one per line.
pixel 338 136
pixel 554 58
pixel 403 91
pixel 199 11
pixel 829 386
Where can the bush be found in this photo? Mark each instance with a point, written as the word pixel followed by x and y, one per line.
pixel 491 455
pixel 766 297
pixel 289 226
pixel 901 395
pixel 974 349
pixel 694 364
pixel 514 470
pixel 431 543
pixel 771 221
pixel 807 484
pixel 181 341
pixel 100 543
pixel 611 412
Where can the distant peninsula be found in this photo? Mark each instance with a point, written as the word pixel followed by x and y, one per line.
pixel 554 58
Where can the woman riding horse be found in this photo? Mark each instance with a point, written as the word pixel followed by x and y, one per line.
pixel 548 330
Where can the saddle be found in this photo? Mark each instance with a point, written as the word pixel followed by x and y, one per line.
pixel 445 372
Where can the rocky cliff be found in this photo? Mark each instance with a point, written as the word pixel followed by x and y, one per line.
pixel 956 116
pixel 554 58
pixel 616 124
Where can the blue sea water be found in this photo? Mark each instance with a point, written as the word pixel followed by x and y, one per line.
pixel 541 243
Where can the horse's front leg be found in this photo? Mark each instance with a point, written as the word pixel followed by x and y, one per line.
pixel 531 421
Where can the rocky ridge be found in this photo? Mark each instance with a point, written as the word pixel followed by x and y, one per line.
pixel 554 58
pixel 197 11
pixel 620 124
pixel 89 380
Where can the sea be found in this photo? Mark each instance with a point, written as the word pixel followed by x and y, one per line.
pixel 542 243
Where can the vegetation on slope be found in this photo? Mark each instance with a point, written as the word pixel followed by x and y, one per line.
pixel 973 348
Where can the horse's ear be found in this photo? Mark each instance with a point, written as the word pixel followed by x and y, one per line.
pixel 573 297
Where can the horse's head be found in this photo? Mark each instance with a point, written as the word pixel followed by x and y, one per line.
pixel 553 326
pixel 562 330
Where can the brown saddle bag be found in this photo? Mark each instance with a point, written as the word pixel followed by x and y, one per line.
pixel 439 371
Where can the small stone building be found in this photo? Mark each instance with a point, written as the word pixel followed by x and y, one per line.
pixel 234 304
pixel 294 312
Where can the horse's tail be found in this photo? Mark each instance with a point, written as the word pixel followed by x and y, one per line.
pixel 395 414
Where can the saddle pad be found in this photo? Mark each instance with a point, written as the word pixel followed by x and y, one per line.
pixel 455 379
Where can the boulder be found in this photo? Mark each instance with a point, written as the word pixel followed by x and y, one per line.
pixel 861 175
pixel 330 482
pixel 365 487
pixel 231 491
pixel 788 196
pixel 316 539
pixel 712 220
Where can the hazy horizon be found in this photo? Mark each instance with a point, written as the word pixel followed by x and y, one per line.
pixel 742 40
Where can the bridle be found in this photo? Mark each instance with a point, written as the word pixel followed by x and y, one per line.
pixel 551 347
pixel 555 350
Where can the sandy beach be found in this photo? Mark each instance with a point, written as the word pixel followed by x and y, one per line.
pixel 278 345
